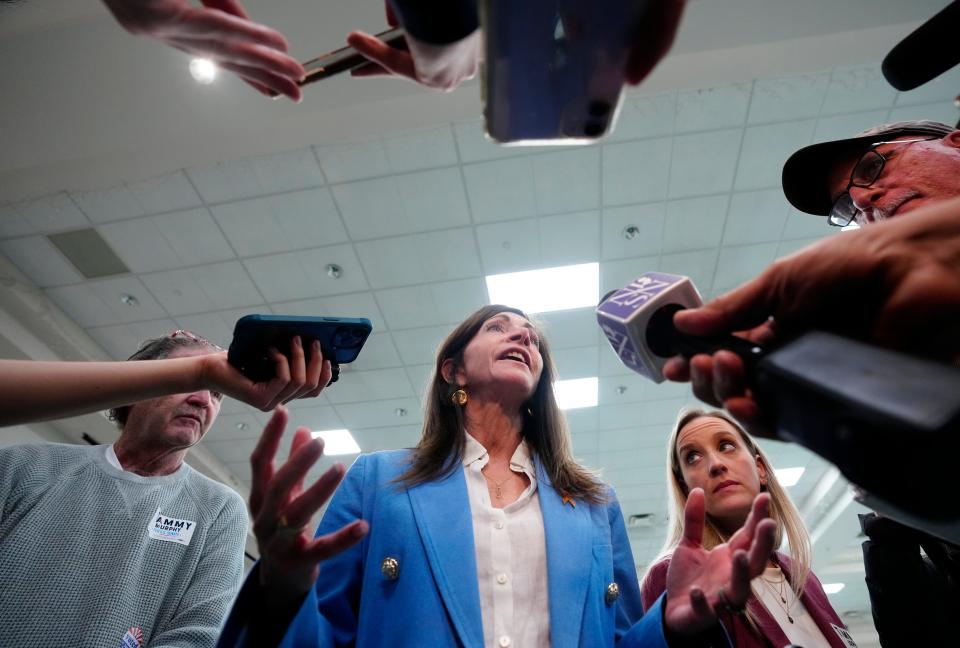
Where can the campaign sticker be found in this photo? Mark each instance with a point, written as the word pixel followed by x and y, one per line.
pixel 844 635
pixel 170 529
pixel 132 638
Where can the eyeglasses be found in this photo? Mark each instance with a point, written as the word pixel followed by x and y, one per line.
pixel 196 338
pixel 865 172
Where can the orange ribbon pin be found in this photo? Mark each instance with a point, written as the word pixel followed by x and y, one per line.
pixel 567 499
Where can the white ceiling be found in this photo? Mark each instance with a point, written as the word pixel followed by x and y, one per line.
pixel 220 215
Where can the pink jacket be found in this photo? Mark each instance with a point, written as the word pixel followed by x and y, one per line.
pixel 741 634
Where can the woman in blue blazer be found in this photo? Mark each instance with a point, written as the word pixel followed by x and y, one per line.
pixel 488 533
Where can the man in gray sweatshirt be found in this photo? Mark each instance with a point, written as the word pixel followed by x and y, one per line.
pixel 121 545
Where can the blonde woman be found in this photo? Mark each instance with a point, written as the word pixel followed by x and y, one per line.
pixel 787 605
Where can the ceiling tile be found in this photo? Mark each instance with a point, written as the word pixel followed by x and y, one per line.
pixel 694 223
pixel 426 305
pixel 941 111
pixel 475 146
pixel 844 126
pixel 569 239
pixel 123 340
pixel 704 163
pixel 857 88
pixel 53 213
pixel 420 376
pixel 296 275
pixel 421 149
pixel 568 180
pixel 165 193
pixel 37 258
pixel 359 304
pixel 378 352
pixel 617 274
pixel 12 223
pixel 140 244
pixel 582 420
pixel 253 176
pixel 194 237
pixel 570 328
pixel 353 161
pixel 766 148
pixel 509 247
pixel 802 225
pixel 645 116
pixel 709 108
pixel 231 451
pixel 741 263
pixel 787 98
pixel 234 427
pixel 204 288
pixel 97 303
pixel 637 388
pixel 501 189
pixel 389 438
pixel 218 326
pixel 288 221
pixel 400 261
pixel 371 208
pixel 316 417
pixel 636 172
pixel 418 346
pixel 357 386
pixel 356 416
pixel 104 205
pixel 577 362
pixel 756 217
pixel 647 218
pixel 699 266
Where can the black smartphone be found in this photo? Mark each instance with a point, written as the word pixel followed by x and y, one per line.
pixel 344 59
pixel 341 339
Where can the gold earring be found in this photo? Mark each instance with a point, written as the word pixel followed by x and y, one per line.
pixel 459 397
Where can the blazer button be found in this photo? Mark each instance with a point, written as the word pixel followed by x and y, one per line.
pixel 390 568
pixel 612 593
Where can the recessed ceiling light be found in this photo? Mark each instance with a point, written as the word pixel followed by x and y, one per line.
pixel 337 442
pixel 833 588
pixel 631 232
pixel 547 289
pixel 400 411
pixel 789 476
pixel 241 425
pixel 334 271
pixel 573 394
pixel 203 70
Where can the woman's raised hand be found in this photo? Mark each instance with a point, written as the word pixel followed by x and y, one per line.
pixel 702 583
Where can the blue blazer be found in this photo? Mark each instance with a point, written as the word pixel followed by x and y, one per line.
pixel 435 602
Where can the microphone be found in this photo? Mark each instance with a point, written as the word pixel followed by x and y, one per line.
pixel 926 53
pixel 889 421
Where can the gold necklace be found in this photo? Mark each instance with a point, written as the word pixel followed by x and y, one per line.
pixel 781 592
pixel 498 492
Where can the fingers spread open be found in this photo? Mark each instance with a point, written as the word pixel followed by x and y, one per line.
pixel 331 544
pixel 261 460
pixel 700 605
pixel 762 547
pixel 701 378
pixel 293 471
pixel 744 536
pixel 300 510
pixel 739 589
pixel 693 516
pixel 677 369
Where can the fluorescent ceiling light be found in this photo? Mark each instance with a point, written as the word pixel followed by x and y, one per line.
pixel 203 70
pixel 789 476
pixel 572 394
pixel 337 442
pixel 849 228
pixel 547 289
pixel 833 588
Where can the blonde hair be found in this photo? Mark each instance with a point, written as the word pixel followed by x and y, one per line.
pixel 782 509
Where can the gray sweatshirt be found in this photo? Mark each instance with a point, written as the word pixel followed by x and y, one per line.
pixel 94 556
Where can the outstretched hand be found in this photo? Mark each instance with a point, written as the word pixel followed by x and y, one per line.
pixel 221 31
pixel 701 583
pixel 290 556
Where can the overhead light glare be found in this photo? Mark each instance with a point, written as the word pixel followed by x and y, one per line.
pixel 833 588
pixel 203 70
pixel 547 289
pixel 574 394
pixel 789 476
pixel 337 442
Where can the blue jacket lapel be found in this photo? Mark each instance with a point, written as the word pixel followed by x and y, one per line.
pixel 569 541
pixel 442 511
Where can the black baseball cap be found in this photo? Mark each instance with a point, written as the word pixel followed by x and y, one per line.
pixel 806 173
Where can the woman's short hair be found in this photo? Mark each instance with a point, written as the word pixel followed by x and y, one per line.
pixel 544 426
pixel 155 349
pixel 782 509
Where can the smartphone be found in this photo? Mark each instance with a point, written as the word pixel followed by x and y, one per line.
pixel 553 70
pixel 341 339
pixel 344 59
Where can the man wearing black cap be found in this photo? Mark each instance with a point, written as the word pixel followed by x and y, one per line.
pixel 882 172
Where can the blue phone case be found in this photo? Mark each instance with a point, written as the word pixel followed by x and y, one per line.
pixel 341 339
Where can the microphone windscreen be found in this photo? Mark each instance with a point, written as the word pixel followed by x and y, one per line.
pixel 926 53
